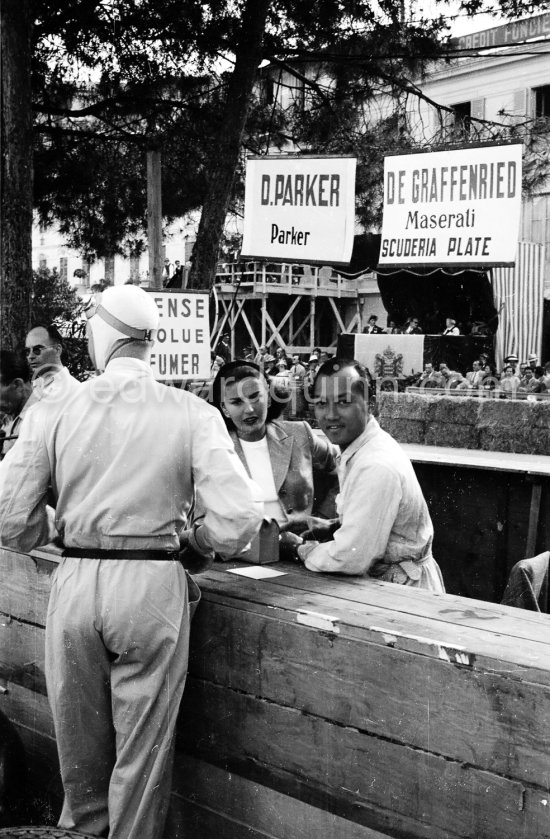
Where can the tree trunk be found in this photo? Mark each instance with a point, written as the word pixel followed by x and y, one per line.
pixel 154 217
pixel 16 200
pixel 226 152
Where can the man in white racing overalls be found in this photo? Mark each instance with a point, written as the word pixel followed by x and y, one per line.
pixel 125 456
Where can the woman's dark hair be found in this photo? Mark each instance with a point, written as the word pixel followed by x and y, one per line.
pixel 237 371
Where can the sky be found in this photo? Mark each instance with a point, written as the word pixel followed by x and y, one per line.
pixel 459 22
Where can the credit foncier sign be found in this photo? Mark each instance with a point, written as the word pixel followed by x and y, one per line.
pixel 299 209
pixel 182 347
pixel 456 207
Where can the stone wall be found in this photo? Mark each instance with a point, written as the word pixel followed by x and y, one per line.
pixel 467 422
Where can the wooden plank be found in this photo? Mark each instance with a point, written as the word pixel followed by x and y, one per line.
pixel 188 819
pixel 339 321
pixel 218 724
pixel 28 709
pixel 469 647
pixel 529 464
pixel 360 684
pixel 277 330
pixel 492 633
pixel 22 654
pixel 483 627
pixel 532 528
pixel 446 608
pixel 25 588
pixel 245 808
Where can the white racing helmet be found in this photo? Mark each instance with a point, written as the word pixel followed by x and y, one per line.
pixel 126 314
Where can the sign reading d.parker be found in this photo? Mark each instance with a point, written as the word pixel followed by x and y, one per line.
pixel 299 209
pixel 182 346
pixel 456 207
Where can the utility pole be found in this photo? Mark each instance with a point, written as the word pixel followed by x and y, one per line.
pixel 154 217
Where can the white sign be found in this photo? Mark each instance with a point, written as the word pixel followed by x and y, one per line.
pixel 182 347
pixel 458 207
pixel 299 209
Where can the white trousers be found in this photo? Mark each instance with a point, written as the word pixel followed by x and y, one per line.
pixel 117 642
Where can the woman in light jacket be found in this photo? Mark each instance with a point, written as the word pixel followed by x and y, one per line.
pixel 280 455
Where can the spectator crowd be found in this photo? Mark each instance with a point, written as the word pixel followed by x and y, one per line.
pixel 515 379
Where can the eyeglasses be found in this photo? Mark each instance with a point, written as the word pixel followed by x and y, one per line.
pixel 36 350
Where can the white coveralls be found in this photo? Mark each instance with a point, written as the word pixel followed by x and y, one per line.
pixel 125 455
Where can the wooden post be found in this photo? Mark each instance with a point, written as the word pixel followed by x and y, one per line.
pixel 312 323
pixel 360 304
pixel 154 217
pixel 264 325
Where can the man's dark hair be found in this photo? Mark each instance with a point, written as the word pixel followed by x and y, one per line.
pixel 334 365
pixel 53 332
pixel 12 366
pixel 373 317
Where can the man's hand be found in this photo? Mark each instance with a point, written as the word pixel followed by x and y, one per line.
pixel 321 531
pixel 288 545
pixel 194 561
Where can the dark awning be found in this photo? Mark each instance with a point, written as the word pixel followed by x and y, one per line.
pixel 431 294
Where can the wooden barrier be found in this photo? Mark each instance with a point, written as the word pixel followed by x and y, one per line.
pixel 323 706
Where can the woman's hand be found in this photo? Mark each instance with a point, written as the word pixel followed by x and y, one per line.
pixel 295 525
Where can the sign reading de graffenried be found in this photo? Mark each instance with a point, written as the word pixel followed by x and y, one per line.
pixel 182 346
pixel 299 209
pixel 456 207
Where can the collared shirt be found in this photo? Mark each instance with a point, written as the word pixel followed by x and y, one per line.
pixel 383 514
pixel 53 386
pixel 475 377
pixel 125 456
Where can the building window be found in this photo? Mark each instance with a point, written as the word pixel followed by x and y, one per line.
pixel 267 90
pixel 42 261
pixel 462 112
pixel 542 101
pixel 64 267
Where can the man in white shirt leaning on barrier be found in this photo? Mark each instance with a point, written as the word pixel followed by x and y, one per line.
pixel 385 530
pixel 125 456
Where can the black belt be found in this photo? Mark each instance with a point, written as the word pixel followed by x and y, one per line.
pixel 97 553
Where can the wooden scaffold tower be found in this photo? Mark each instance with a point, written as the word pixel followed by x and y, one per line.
pixel 291 306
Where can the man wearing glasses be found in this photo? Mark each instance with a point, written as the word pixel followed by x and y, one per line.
pixel 43 348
